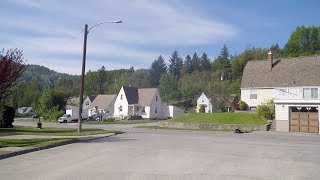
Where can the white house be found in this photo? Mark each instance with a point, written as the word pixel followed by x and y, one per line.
pixel 144 102
pixel 103 104
pixel 203 100
pixel 293 83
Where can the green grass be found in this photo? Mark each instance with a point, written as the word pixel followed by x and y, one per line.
pixel 220 118
pixel 51 131
pixel 29 142
pixel 122 122
pixel 157 127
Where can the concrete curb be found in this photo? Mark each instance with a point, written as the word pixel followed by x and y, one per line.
pixel 82 139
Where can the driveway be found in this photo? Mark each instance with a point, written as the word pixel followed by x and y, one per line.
pixel 165 154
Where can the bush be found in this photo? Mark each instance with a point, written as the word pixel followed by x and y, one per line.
pixel 266 110
pixel 7 114
pixel 242 105
pixel 202 109
pixel 109 120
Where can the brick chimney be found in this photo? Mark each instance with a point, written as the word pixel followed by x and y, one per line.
pixel 270 59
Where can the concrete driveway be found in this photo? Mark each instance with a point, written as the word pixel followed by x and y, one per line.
pixel 165 154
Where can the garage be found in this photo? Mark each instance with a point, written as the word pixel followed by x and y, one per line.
pixel 304 119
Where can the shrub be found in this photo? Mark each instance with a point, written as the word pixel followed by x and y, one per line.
pixel 109 120
pixel 202 109
pixel 266 110
pixel 242 105
pixel 7 114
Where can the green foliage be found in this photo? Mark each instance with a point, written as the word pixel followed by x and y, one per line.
pixel 304 41
pixel 239 61
pixel 202 109
pixel 141 78
pixel 222 65
pixel 44 76
pixel 242 105
pixel 219 92
pixel 168 88
pixel 175 65
pixel 205 63
pixel 158 67
pixel 266 110
pixel 51 104
pixel 109 120
pixel 7 114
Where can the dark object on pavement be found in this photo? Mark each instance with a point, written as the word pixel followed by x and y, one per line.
pixel 39 125
pixel 238 131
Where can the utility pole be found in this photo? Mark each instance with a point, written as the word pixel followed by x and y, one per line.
pixel 82 75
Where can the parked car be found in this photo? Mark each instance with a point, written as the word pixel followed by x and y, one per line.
pixel 95 117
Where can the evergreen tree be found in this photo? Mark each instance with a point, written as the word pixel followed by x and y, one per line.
pixel 175 65
pixel 186 67
pixel 205 62
pixel 221 66
pixel 158 67
pixel 195 63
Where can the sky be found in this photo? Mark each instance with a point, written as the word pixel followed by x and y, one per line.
pixel 50 32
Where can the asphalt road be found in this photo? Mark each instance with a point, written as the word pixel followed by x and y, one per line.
pixel 164 154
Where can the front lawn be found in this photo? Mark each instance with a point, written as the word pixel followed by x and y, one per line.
pixel 29 142
pixel 52 131
pixel 220 118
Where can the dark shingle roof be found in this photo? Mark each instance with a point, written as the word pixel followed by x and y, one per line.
pixel 131 94
pixel 300 71
pixel 92 98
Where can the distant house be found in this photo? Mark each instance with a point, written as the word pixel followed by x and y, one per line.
pixel 87 102
pixel 102 104
pixel 203 100
pixel 144 102
pixel 293 83
pixel 27 110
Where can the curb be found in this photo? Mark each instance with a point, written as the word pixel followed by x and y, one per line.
pixel 16 153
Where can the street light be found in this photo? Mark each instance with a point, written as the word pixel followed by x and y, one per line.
pixel 86 32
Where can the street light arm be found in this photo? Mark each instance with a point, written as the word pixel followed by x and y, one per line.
pixel 119 21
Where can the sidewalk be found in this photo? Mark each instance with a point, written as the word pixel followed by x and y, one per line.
pixel 14 151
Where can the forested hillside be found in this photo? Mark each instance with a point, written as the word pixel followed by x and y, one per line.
pixel 44 76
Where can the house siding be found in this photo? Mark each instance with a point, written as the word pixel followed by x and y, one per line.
pixel 262 96
pixel 156 104
pixel 121 102
pixel 203 100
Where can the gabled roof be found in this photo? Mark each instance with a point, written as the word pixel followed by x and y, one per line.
pixel 102 101
pixel 300 71
pixel 131 94
pixel 146 95
pixel 141 97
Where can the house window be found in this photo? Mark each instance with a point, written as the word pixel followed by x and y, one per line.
pixel 121 96
pixel 137 108
pixel 253 94
pixel 120 108
pixel 283 92
pixel 310 93
pixel 108 112
pixel 156 98
pixel 156 110
pixel 143 109
pixel 87 103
